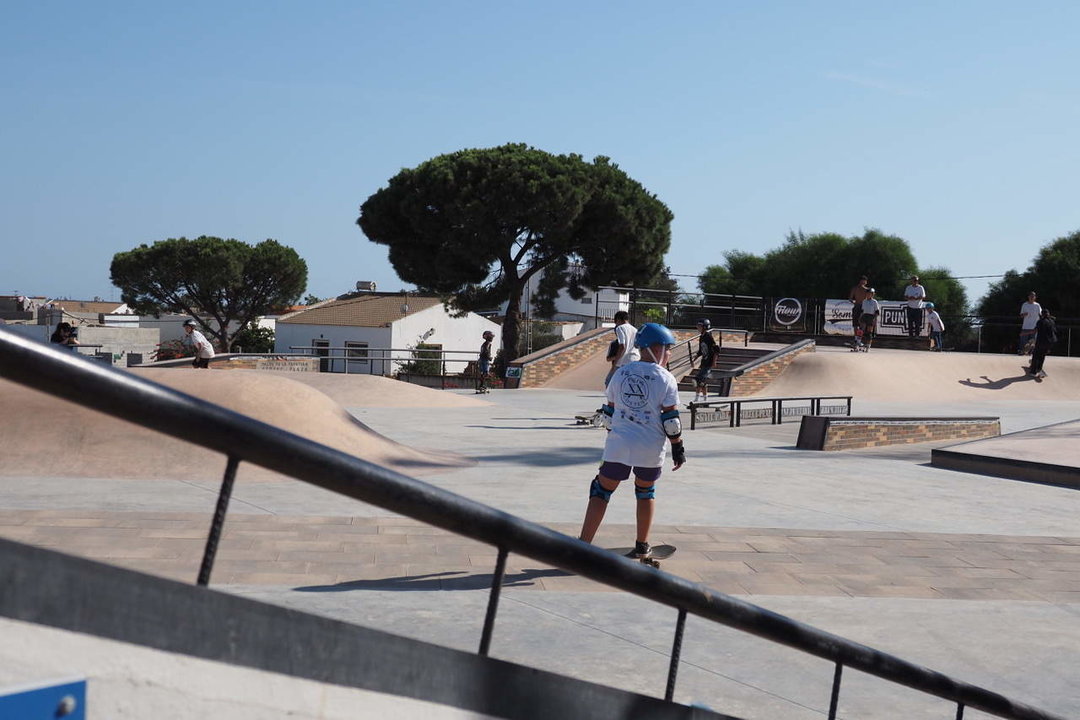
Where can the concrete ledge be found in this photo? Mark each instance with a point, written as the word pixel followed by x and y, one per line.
pixel 55 590
pixel 818 432
pixel 1009 468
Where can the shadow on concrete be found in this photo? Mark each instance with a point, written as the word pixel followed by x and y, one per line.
pixel 550 458
pixel 451 580
pixel 997 384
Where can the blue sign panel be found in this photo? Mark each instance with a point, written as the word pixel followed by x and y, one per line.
pixel 62 699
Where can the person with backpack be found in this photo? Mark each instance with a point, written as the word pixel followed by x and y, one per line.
pixel 1045 337
pixel 708 350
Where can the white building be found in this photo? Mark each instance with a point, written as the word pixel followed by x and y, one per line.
pixel 376 332
pixel 595 309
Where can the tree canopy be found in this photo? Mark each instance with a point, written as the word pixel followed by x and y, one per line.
pixel 827 265
pixel 229 280
pixel 1052 275
pixel 475 225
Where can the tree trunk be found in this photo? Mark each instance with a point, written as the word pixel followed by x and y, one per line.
pixel 511 328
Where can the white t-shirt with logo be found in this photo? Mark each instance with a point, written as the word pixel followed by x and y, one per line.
pixel 626 334
pixel 914 295
pixel 870 306
pixel 1031 312
pixel 639 391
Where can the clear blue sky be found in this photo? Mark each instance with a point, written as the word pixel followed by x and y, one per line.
pixel 953 125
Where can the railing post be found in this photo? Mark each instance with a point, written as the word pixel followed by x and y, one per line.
pixel 493 601
pixel 676 651
pixel 835 699
pixel 960 711
pixel 218 522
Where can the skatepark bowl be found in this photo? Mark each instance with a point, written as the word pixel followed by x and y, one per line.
pixel 234 632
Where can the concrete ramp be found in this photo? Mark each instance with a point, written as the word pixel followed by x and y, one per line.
pixel 903 375
pixel 45 436
pixel 1048 455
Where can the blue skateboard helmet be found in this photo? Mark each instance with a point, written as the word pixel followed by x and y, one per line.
pixel 653 334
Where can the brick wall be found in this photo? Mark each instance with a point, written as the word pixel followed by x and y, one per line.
pixel 542 366
pixel 855 433
pixel 756 379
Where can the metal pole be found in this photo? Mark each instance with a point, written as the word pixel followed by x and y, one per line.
pixel 835 699
pixel 218 522
pixel 676 651
pixel 493 601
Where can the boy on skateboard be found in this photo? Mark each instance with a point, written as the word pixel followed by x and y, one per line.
pixel 707 351
pixel 483 363
pixel 642 416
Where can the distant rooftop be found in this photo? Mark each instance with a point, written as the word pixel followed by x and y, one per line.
pixel 368 310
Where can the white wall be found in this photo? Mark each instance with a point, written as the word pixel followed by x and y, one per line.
pixel 288 335
pixel 463 334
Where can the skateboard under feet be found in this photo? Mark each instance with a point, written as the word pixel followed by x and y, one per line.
pixel 659 552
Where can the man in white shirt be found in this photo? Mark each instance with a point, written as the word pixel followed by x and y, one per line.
pixel 1030 312
pixel 915 294
pixel 642 416
pixel 625 351
pixel 204 351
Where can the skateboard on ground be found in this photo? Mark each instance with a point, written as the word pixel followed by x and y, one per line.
pixel 659 552
pixel 590 419
pixel 1038 376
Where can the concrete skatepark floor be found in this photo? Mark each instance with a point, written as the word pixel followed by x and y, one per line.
pixel 974 576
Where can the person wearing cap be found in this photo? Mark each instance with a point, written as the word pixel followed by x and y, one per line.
pixel 935 326
pixel 915 294
pixel 708 350
pixel 642 416
pixel 483 363
pixel 1045 337
pixel 871 308
pixel 204 351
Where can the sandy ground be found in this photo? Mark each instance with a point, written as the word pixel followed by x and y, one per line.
pixel 44 435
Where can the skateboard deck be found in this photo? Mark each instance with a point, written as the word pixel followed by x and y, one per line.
pixel 659 552
pixel 590 419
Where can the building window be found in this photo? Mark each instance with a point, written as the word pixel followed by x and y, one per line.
pixel 587 300
pixel 356 352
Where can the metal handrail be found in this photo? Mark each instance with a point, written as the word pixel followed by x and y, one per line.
pixel 241 438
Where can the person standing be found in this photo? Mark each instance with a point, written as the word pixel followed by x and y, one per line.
pixel 642 416
pixel 935 326
pixel 871 308
pixel 204 351
pixel 915 294
pixel 708 350
pixel 65 336
pixel 858 293
pixel 483 362
pixel 623 350
pixel 1045 337
pixel 1030 314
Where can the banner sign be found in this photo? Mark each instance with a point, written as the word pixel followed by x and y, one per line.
pixel 788 315
pixel 891 321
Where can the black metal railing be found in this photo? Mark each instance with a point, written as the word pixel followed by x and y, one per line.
pixel 243 439
pixel 712 410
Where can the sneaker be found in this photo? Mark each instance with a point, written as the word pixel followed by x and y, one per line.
pixel 641 550
pixel 1042 374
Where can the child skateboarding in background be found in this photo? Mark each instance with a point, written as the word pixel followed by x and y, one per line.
pixel 483 363
pixel 871 308
pixel 935 326
pixel 708 349
pixel 642 416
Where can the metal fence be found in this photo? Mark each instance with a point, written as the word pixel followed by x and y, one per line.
pixel 243 439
